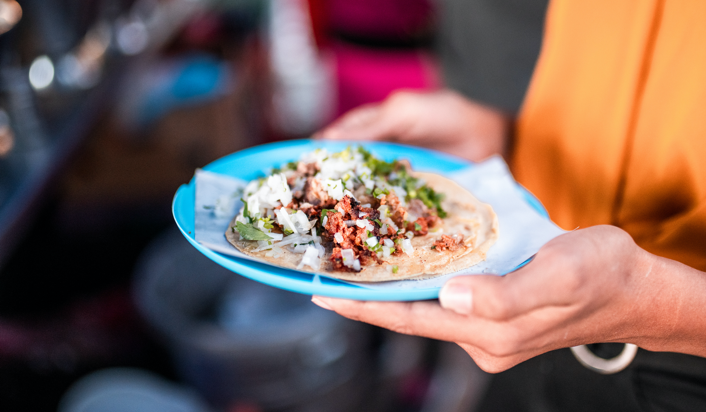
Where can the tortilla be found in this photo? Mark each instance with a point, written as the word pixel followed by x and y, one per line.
pixel 466 215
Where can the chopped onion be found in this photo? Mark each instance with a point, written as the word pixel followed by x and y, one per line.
pixel 356 265
pixel 388 242
pixel 365 205
pixel 338 237
pixel 334 188
pixel 362 214
pixel 383 229
pixel 310 258
pixel 372 241
pixel 386 251
pixel 284 220
pixel 300 248
pixel 407 247
pixel 348 257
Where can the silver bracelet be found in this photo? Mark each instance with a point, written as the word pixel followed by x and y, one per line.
pixel 605 366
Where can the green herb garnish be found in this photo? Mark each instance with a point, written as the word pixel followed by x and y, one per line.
pixel 246 213
pixel 250 232
pixel 395 269
pixel 417 226
pixel 377 192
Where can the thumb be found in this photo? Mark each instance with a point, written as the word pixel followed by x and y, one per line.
pixel 498 297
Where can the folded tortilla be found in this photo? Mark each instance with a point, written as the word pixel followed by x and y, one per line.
pixel 466 215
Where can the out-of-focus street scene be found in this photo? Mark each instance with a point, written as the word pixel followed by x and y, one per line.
pixel 106 107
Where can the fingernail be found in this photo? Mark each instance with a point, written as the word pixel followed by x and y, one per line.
pixel 456 297
pixel 320 303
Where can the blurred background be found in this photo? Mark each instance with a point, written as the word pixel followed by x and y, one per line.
pixel 107 106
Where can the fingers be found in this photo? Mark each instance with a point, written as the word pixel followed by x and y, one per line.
pixel 423 318
pixel 506 297
pixel 364 123
pixel 494 347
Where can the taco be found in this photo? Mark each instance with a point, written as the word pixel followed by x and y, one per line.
pixel 352 216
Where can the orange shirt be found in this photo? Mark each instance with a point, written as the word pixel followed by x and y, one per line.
pixel 613 128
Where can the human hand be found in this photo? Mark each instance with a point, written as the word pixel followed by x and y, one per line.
pixel 585 286
pixel 441 120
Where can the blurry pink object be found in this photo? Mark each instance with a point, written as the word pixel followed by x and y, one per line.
pixel 380 18
pixel 367 75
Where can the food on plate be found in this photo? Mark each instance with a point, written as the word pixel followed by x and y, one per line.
pixel 353 216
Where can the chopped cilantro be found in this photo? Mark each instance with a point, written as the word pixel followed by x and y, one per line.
pixel 250 232
pixel 377 192
pixel 267 223
pixel 288 232
pixel 433 246
pixel 366 154
pixel 378 222
pixel 380 167
pixel 246 213
pixel 395 269
pixel 417 226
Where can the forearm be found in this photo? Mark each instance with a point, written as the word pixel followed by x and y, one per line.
pixel 671 305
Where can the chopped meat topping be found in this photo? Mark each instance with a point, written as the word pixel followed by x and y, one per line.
pixel 419 227
pixel 450 243
pixel 357 227
pixel 315 193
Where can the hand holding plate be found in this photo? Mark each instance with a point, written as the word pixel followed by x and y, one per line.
pixel 587 286
pixel 442 120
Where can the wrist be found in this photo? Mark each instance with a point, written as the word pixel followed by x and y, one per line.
pixel 669 303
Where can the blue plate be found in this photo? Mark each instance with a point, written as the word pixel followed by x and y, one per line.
pixel 252 163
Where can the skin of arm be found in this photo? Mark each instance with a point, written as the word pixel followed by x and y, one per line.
pixel 587 286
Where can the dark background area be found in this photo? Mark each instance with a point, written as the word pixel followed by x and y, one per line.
pixel 106 107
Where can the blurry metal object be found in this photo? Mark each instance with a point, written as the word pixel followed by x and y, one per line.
pixel 605 366
pixel 47 60
pixel 151 23
pixel 132 37
pixel 129 390
pixel 41 73
pixel 10 14
pixel 7 137
pixel 304 85
pixel 82 67
pixel 238 340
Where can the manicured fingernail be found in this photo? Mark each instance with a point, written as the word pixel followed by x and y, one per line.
pixel 320 303
pixel 456 297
